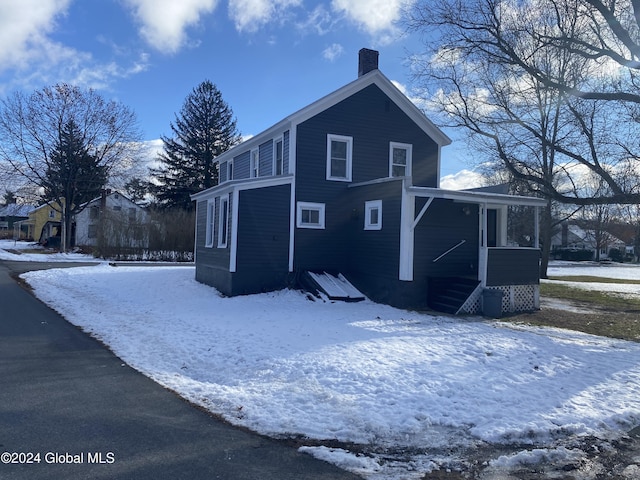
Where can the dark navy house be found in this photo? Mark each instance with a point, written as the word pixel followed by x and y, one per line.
pixel 350 185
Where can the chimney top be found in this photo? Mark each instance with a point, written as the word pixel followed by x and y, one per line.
pixel 367 61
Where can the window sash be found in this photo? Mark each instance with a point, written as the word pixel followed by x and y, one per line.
pixel 400 159
pixel 211 217
pixel 310 215
pixel 255 163
pixel 223 226
pixel 373 215
pixel 278 156
pixel 339 157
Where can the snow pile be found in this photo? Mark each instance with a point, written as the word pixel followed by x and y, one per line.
pixel 363 373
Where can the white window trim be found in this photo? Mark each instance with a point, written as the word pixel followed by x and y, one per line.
pixel 223 208
pixel 230 170
pixel 405 146
pixel 349 141
pixel 319 207
pixel 368 207
pixel 277 140
pixel 254 172
pixel 210 226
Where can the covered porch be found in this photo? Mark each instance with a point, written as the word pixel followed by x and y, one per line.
pixel 501 249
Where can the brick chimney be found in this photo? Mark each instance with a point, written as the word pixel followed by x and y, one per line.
pixel 367 61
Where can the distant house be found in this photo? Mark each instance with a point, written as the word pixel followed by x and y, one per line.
pixel 572 237
pixel 349 186
pixel 43 224
pixel 11 216
pixel 112 219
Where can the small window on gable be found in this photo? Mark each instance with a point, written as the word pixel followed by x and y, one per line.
pixel 210 229
pixel 230 170
pixel 400 159
pixel 339 157
pixel 52 214
pixel 94 212
pixel 223 217
pixel 255 163
pixel 310 215
pixel 278 157
pixel 373 215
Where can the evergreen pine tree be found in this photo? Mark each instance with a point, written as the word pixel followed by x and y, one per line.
pixel 204 129
pixel 72 174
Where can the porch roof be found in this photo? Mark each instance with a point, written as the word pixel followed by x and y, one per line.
pixel 476 196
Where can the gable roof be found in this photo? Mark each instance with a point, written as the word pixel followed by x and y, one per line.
pixel 375 77
pixel 15 210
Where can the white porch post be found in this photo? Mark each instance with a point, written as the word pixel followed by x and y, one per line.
pixel 536 226
pixel 483 253
pixel 407 235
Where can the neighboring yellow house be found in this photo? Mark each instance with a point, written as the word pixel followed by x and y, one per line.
pixel 44 221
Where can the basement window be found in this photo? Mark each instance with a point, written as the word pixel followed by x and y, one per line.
pixel 310 215
pixel 373 215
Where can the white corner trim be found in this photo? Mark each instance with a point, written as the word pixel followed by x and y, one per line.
pixel 233 248
pixel 407 238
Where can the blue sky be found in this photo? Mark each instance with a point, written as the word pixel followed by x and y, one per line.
pixel 268 58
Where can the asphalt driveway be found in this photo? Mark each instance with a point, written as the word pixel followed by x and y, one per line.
pixel 71 409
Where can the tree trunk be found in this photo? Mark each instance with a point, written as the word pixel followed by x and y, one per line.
pixel 545 238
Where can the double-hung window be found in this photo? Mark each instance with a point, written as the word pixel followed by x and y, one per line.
pixel 373 215
pixel 223 218
pixel 255 163
pixel 211 222
pixel 400 159
pixel 278 157
pixel 339 157
pixel 310 215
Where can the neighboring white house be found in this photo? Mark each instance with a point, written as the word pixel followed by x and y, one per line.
pixel 572 237
pixel 112 217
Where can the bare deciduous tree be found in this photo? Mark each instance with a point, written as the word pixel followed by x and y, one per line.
pixel 547 87
pixel 33 129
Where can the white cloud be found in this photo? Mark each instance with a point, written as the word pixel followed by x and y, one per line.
pixel 463 180
pixel 333 51
pixel 319 21
pixel 27 50
pixel 24 25
pixel 379 18
pixel 249 15
pixel 164 22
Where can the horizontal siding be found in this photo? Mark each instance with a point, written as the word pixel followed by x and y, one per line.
pixel 512 266
pixel 263 228
pixel 285 151
pixel 241 165
pixel 373 121
pixel 444 225
pixel 212 264
pixel 373 255
pixel 266 159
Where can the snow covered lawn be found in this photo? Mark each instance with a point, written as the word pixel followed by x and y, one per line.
pixel 35 253
pixel 620 271
pixel 388 379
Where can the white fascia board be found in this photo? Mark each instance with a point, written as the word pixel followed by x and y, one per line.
pixel 378 78
pixel 477 197
pixel 242 184
pixel 374 77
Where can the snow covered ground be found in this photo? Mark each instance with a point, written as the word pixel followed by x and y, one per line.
pixel 36 253
pixel 411 389
pixel 619 271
